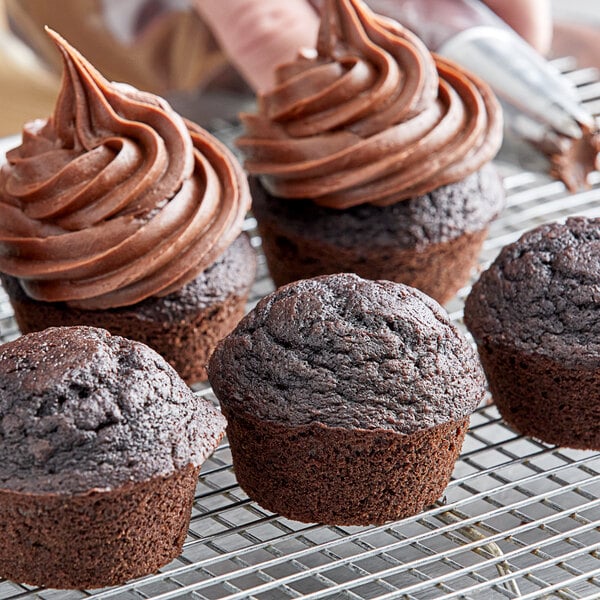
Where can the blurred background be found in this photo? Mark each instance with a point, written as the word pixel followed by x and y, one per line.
pixel 162 46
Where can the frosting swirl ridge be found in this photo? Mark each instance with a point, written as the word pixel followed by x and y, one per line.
pixel 115 197
pixel 371 117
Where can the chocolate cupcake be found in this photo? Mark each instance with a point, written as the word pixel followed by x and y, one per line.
pixel 101 444
pixel 347 400
pixel 116 212
pixel 535 315
pixel 376 135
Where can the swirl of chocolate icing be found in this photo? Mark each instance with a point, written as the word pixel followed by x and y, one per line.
pixel 115 197
pixel 372 117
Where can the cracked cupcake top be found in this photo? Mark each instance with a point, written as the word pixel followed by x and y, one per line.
pixel 542 293
pixel 342 351
pixel 81 409
pixel 370 117
pixel 115 198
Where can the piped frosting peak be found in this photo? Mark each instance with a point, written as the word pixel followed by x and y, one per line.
pixel 115 197
pixel 370 117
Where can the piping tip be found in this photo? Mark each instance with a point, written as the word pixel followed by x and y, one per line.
pixel 567 120
pixel 540 104
pixel 520 76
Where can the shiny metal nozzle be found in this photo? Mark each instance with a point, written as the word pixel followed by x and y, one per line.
pixel 520 77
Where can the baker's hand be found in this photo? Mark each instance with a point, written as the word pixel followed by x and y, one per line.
pixel 531 19
pixel 257 35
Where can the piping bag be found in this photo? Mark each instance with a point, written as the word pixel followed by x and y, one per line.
pixel 540 105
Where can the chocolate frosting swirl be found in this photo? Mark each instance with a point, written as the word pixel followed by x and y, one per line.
pixel 115 198
pixel 372 117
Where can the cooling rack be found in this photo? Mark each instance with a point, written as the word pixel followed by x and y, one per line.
pixel 520 519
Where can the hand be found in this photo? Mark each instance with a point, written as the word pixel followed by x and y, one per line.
pixel 257 35
pixel 531 19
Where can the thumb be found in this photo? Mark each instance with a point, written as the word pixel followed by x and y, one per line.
pixel 258 35
pixel 532 19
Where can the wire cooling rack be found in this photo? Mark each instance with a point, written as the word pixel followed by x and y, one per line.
pixel 520 519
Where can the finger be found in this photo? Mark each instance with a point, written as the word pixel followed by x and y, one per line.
pixel 258 35
pixel 532 19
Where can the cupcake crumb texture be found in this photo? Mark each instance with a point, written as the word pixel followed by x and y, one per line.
pixel 81 409
pixel 348 352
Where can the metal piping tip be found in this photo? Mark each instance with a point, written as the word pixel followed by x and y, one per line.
pixel 520 77
pixel 563 122
pixel 582 116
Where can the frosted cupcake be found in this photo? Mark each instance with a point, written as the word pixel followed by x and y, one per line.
pixel 117 213
pixel 371 155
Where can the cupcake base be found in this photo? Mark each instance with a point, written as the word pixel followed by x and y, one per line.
pixel 184 327
pixel 98 538
pixel 544 398
pixel 337 476
pixel 430 242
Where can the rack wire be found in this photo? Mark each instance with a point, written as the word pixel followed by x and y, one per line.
pixel 520 519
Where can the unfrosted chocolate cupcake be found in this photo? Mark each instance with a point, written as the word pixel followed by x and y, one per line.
pixel 101 444
pixel 535 315
pixel 347 400
pixel 370 157
pixel 115 204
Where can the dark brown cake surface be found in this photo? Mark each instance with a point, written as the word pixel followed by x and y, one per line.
pixel 231 274
pixel 342 476
pixel 542 294
pixel 81 409
pixel 441 215
pixel 348 352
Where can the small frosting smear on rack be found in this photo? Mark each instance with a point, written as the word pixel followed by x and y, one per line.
pixel 572 160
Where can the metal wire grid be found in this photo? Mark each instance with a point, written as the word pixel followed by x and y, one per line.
pixel 520 519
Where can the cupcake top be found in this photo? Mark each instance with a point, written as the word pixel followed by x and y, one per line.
pixel 369 117
pixel 114 198
pixel 342 351
pixel 542 294
pixel 81 410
